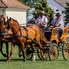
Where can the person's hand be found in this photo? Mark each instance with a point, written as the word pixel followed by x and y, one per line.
pixel 35 22
pixel 51 26
pixel 41 23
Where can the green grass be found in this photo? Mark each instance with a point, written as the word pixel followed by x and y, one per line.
pixel 17 62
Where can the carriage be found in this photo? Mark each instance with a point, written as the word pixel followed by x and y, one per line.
pixel 49 49
pixel 53 46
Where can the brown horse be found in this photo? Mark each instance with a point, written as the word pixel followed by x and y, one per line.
pixel 2 28
pixel 34 32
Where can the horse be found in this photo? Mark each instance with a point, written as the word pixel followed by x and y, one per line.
pixel 2 28
pixel 34 32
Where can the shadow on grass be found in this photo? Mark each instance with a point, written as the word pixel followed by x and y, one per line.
pixel 4 60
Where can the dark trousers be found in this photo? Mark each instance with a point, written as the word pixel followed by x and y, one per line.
pixel 59 32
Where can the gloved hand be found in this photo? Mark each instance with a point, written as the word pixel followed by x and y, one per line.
pixel 41 23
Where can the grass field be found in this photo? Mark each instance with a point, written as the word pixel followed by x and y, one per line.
pixel 17 62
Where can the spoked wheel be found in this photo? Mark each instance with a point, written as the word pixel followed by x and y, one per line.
pixel 39 54
pixel 53 52
pixel 28 53
pixel 65 51
pixel 45 53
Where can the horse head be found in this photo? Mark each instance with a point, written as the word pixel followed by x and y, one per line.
pixel 9 23
pixel 2 22
pixel 7 31
pixel 13 24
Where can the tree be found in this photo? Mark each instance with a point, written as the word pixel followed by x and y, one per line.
pixel 67 13
pixel 22 1
pixel 29 3
pixel 43 5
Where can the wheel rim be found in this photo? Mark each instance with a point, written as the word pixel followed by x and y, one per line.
pixel 53 53
pixel 66 51
pixel 45 53
pixel 39 54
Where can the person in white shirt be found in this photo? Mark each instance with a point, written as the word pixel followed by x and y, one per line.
pixel 41 21
pixel 58 22
pixel 67 25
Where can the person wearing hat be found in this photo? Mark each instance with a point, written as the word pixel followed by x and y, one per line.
pixel 41 21
pixel 58 22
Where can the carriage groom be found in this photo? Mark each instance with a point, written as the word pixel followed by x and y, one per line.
pixel 58 22
pixel 41 21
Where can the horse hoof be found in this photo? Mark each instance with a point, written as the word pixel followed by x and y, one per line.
pixel 20 55
pixel 7 61
pixel 24 60
pixel 33 59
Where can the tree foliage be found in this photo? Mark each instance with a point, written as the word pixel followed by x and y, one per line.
pixel 67 13
pixel 43 5
pixel 29 3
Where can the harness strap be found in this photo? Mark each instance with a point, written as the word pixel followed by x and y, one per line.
pixel 20 30
pixel 26 30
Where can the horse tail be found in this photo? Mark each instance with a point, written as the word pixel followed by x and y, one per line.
pixel 42 36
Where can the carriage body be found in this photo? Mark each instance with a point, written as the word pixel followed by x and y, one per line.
pixel 52 36
pixel 62 45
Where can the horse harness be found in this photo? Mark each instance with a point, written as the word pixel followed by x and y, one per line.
pixel 20 30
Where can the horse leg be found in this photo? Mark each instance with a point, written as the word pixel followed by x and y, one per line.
pixel 12 49
pixel 33 51
pixel 40 46
pixel 41 51
pixel 23 46
pixel 19 51
pixel 1 45
pixel 7 50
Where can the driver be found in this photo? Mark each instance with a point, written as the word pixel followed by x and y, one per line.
pixel 41 21
pixel 58 22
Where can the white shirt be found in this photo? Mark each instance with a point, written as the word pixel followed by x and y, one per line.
pixel 41 20
pixel 55 22
pixel 67 25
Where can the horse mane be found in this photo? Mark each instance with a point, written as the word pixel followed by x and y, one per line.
pixel 15 21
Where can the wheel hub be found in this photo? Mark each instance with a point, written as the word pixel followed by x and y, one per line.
pixel 54 53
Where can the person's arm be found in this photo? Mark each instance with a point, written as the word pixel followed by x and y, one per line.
pixel 51 25
pixel 36 21
pixel 58 24
pixel 44 23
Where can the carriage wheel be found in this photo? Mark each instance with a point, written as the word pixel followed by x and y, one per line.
pixel 65 51
pixel 45 53
pixel 53 52
pixel 28 53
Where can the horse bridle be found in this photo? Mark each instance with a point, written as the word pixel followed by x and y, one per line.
pixel 9 25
